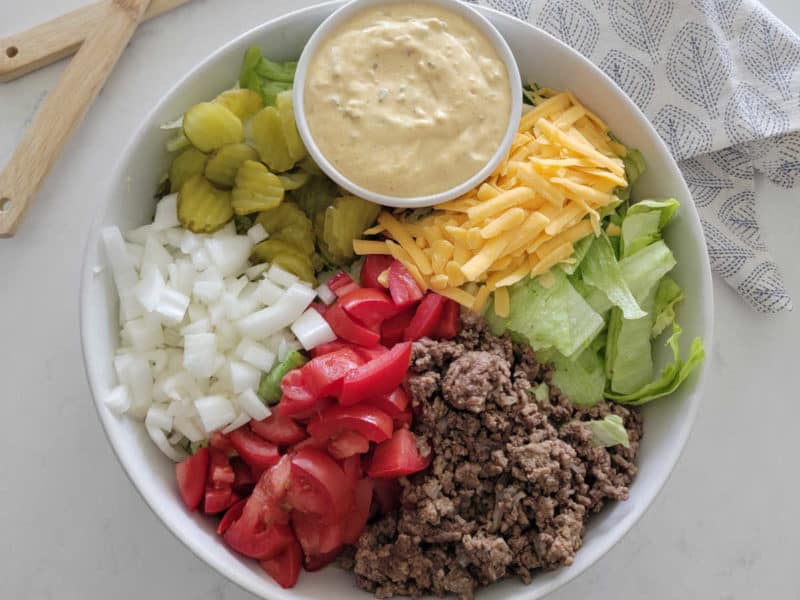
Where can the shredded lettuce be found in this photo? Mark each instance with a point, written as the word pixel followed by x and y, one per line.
pixel 581 379
pixel 264 76
pixel 668 295
pixel 601 270
pixel 643 223
pixel 629 358
pixel 607 432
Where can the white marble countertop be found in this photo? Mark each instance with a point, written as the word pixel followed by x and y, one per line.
pixel 73 527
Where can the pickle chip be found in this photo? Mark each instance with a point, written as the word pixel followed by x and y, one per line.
pixel 267 135
pixel 223 164
pixel 255 189
pixel 290 224
pixel 285 105
pixel 242 102
pixel 209 126
pixel 202 208
pixel 294 180
pixel 343 222
pixel 284 255
pixel 188 163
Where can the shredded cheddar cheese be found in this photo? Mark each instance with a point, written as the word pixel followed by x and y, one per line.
pixel 524 219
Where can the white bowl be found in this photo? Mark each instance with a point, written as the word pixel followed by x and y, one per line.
pixel 128 204
pixel 344 14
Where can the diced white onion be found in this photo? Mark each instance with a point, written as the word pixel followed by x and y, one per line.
pixel 250 403
pixel 311 330
pixel 299 295
pixel 157 416
pixel 283 349
pixel 191 241
pixel 229 253
pixel 160 440
pixel 182 276
pixel 243 376
pixel 155 254
pixel 122 268
pixel 187 428
pixel 325 294
pixel 201 259
pixel 172 306
pixel 256 271
pixel 263 323
pixel 133 371
pixel 235 286
pixel 268 292
pixel 227 335
pixel 199 326
pixel 255 354
pixel 136 252
pixel 242 419
pixel 150 288
pixel 257 233
pixel 158 361
pixel 166 213
pixel 207 291
pixel 200 354
pixel 118 400
pixel 140 234
pixel 197 312
pixel 281 276
pixel 144 333
pixel 215 412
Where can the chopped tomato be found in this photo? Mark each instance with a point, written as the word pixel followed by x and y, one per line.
pixel 220 441
pixel 295 394
pixel 345 327
pixel 370 353
pixel 392 329
pixel 323 375
pixel 450 321
pixel 320 307
pixel 329 347
pixel 231 515
pixel 356 519
pixel 368 306
pixel 402 420
pixel 352 468
pixel 377 377
pixel 402 286
pixel 320 561
pixel 192 474
pixel 318 485
pixel 393 403
pixel 265 543
pixel 280 430
pixel 374 265
pixel 217 500
pixel 285 568
pixel 220 472
pixel 372 423
pixel 254 450
pixel 387 494
pixel 243 477
pixel 315 535
pixel 397 457
pixel 347 443
pixel 341 284
pixel 426 319
pixel 320 406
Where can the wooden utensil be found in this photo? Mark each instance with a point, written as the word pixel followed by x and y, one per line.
pixel 64 109
pixel 44 44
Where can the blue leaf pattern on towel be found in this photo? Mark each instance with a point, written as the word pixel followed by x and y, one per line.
pixel 704 185
pixel 631 75
pixel 727 258
pixel 785 169
pixel 684 133
pixel 641 23
pixel 515 8
pixel 572 23
pixel 720 12
pixel 770 51
pixel 738 214
pixel 764 289
pixel 751 115
pixel 734 161
pixel 698 66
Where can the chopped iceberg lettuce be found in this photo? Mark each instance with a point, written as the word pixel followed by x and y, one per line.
pixel 607 432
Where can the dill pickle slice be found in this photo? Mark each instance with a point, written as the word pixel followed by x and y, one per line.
pixel 284 255
pixel 255 189
pixel 297 264
pixel 202 208
pixel 188 163
pixel 210 126
pixel 179 141
pixel 224 163
pixel 242 102
pixel 285 105
pixel 294 180
pixel 267 135
pixel 289 223
pixel 345 221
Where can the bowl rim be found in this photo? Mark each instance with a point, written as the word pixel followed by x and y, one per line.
pixel 670 456
pixel 349 10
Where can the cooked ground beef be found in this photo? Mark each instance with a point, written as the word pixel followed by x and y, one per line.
pixel 512 481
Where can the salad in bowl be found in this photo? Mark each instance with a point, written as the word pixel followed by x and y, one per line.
pixel 436 399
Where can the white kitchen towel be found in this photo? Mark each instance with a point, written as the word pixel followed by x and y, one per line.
pixel 719 80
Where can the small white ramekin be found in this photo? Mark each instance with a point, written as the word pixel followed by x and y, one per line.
pixel 344 14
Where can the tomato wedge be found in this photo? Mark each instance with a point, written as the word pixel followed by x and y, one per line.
pixel 191 474
pixel 295 394
pixel 356 519
pixel 450 321
pixel 402 286
pixel 352 468
pixel 318 485
pixel 392 329
pixel 377 377
pixel 374 265
pixel 280 430
pixel 345 327
pixel 397 457
pixel 368 306
pixel 220 441
pixel 341 284
pixel 329 347
pixel 346 444
pixel 402 420
pixel 217 500
pixel 243 477
pixel 323 375
pixel 315 535
pixel 372 423
pixel 231 515
pixel 255 451
pixel 387 494
pixel 393 403
pixel 285 568
pixel 220 472
pixel 426 320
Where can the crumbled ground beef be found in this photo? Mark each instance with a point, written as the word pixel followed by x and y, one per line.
pixel 512 481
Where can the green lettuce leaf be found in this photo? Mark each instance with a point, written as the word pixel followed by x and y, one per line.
pixel 671 376
pixel 264 76
pixel 582 247
pixel 629 358
pixel 582 379
pixel 601 270
pixel 668 294
pixel 635 165
pixel 643 223
pixel 608 432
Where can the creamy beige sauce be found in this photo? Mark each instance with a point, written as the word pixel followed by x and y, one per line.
pixel 407 99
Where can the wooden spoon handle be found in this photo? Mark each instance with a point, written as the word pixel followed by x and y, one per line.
pixel 64 109
pixel 44 44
